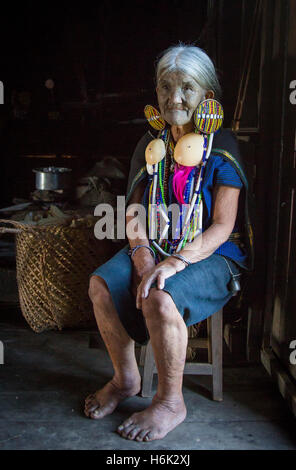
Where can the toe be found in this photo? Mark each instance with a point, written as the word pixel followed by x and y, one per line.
pixel 126 430
pixel 91 408
pixel 92 404
pixel 89 412
pixel 89 398
pixel 99 412
pixel 133 433
pixel 125 423
pixel 88 408
pixel 141 435
pixel 89 401
pixel 148 437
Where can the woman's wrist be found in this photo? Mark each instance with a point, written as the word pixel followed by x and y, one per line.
pixel 175 262
pixel 182 258
pixel 141 250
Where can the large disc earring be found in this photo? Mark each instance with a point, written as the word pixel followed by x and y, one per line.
pixel 208 116
pixel 154 118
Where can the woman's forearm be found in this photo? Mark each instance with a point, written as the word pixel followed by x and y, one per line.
pixel 136 231
pixel 207 243
pixel 224 216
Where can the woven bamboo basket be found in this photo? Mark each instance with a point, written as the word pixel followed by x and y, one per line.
pixel 53 264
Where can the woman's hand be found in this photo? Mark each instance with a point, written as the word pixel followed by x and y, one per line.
pixel 159 273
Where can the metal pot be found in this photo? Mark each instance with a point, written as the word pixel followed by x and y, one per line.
pixel 52 178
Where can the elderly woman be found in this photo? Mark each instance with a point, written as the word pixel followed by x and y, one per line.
pixel 155 289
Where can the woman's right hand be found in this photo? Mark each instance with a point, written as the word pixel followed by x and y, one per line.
pixel 142 263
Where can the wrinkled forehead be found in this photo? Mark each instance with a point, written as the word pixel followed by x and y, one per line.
pixel 178 77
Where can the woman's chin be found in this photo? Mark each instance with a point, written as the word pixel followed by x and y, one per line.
pixel 178 122
pixel 177 118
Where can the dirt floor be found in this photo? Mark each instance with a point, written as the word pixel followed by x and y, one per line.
pixel 45 378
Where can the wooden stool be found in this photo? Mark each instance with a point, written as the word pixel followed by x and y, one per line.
pixel 213 343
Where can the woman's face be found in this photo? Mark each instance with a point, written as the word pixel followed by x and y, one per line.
pixel 178 96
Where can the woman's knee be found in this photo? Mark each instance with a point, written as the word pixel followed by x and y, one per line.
pixel 98 290
pixel 159 305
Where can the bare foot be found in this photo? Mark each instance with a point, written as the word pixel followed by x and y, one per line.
pixel 155 422
pixel 104 401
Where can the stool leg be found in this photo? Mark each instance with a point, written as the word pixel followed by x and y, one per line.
pixel 209 321
pixel 217 351
pixel 148 371
pixel 142 356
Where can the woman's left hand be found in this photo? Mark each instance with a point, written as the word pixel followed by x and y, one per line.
pixel 159 273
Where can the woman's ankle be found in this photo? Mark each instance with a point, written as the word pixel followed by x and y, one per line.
pixel 127 381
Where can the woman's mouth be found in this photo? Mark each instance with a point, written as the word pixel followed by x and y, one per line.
pixel 175 109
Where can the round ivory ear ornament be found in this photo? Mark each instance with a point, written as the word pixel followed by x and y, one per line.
pixel 189 149
pixel 155 151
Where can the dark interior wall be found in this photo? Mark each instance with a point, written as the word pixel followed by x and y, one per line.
pixel 101 57
pixel 105 39
pixel 90 51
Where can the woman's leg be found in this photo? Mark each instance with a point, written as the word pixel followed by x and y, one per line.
pixel 168 335
pixel 121 348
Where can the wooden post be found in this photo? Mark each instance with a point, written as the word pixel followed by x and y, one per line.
pixel 149 367
pixel 217 354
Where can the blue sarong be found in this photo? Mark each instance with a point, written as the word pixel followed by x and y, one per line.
pixel 198 291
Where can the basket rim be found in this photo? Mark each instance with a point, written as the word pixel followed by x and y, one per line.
pixel 32 228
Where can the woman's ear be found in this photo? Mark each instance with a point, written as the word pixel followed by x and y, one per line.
pixel 209 95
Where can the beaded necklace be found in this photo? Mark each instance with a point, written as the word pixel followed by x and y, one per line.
pixel 207 117
pixel 187 226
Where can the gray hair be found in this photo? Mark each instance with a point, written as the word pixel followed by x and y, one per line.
pixel 193 61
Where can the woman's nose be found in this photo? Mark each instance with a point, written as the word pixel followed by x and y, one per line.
pixel 176 97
